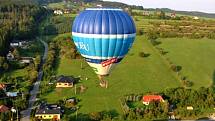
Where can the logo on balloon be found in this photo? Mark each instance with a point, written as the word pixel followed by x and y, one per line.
pixel 82 46
pixel 108 62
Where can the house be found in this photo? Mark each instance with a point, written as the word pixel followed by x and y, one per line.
pixel 189 107
pixel 65 81
pixel 26 60
pixel 196 18
pixel 149 98
pixel 146 13
pixel 12 94
pixel 10 56
pixel 14 44
pixel 99 5
pixel 18 43
pixel 3 86
pixel 66 11
pixel 173 15
pixel 58 12
pixel 3 109
pixel 52 112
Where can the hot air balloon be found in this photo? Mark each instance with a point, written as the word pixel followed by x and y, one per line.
pixel 103 36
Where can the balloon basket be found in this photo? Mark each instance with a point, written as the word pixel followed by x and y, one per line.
pixel 103 84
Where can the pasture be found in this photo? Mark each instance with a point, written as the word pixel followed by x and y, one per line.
pixel 195 56
pixel 134 74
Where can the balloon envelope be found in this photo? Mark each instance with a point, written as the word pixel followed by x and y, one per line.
pixel 103 36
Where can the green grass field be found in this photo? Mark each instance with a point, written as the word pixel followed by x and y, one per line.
pixel 59 5
pixel 133 75
pixel 196 56
pixel 16 73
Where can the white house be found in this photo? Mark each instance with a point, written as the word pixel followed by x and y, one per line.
pixel 11 94
pixel 196 18
pixel 10 56
pixel 26 60
pixel 99 5
pixel 189 107
pixel 58 12
pixel 18 43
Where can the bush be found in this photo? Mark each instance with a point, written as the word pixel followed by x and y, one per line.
pixel 187 83
pixel 139 32
pixel 143 54
pixel 95 116
pixel 175 68
pixel 155 42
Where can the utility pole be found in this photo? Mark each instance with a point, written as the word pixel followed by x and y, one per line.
pixel 17 114
pixel 75 89
pixel 81 64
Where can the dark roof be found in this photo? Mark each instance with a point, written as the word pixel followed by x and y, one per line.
pixel 49 109
pixel 65 79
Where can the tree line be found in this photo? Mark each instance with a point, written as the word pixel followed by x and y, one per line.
pixel 18 21
pixel 177 100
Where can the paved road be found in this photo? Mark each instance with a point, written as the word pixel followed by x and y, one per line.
pixel 26 113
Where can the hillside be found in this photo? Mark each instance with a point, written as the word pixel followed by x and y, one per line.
pixel 190 13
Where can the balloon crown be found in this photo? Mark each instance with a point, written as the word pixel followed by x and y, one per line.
pixel 113 9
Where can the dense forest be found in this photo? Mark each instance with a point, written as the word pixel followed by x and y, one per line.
pixel 18 21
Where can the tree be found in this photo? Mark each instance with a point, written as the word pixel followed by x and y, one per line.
pixel 33 75
pixel 37 61
pixel 16 53
pixel 151 34
pixel 139 31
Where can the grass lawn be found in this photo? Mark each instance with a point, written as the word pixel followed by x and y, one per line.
pixel 16 73
pixel 196 56
pixel 133 75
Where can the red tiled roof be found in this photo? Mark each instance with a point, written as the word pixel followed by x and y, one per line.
pixel 2 86
pixel 3 108
pixel 150 98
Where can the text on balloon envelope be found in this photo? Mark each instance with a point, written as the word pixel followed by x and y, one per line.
pixel 82 46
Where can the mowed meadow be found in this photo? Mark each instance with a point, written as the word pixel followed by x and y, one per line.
pixel 134 74
pixel 195 56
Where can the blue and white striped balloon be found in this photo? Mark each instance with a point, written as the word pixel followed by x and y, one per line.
pixel 103 36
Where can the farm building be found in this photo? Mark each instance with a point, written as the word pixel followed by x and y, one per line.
pixel 52 112
pixel 150 98
pixel 65 81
